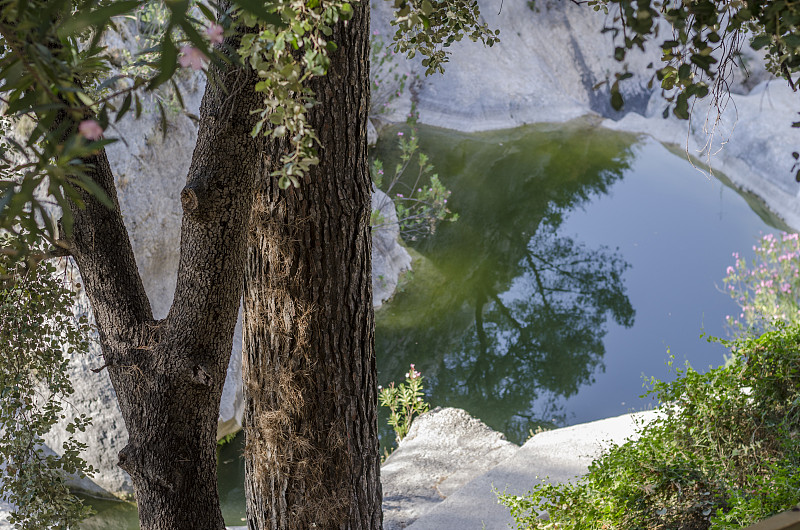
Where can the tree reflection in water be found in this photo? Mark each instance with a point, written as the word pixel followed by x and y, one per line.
pixel 543 337
pixel 506 316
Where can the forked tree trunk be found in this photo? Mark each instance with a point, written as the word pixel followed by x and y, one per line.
pixel 311 455
pixel 168 374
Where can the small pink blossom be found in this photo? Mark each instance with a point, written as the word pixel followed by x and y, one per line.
pixel 729 270
pixel 90 130
pixel 413 373
pixel 214 33
pixel 192 57
pixel 400 134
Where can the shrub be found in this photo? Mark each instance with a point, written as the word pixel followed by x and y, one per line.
pixel 423 201
pixel 723 455
pixel 767 288
pixel 37 331
pixel 405 401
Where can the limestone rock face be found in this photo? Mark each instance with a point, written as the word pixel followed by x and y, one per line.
pixel 444 450
pixel 106 436
pixel 543 70
pixel 389 259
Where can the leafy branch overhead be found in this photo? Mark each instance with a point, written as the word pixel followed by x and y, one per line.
pixel 62 86
pixel 703 42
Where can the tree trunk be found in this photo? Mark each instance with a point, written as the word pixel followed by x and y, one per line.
pixel 311 455
pixel 168 374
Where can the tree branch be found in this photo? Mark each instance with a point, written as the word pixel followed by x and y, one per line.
pixel 104 255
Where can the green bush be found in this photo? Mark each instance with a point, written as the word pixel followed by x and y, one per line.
pixel 404 401
pixel 723 454
pixel 38 331
pixel 767 289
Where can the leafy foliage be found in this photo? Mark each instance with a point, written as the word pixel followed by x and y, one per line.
pixel 428 26
pixel 424 202
pixel 286 54
pixel 59 95
pixel 767 289
pixel 61 86
pixel 405 401
pixel 723 454
pixel 703 47
pixel 38 332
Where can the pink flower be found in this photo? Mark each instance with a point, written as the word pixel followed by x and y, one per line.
pixel 214 33
pixel 413 374
pixel 90 130
pixel 729 270
pixel 400 134
pixel 192 57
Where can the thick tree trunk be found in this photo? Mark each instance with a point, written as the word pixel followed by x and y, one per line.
pixel 168 374
pixel 311 456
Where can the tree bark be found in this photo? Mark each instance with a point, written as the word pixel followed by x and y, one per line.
pixel 311 455
pixel 168 374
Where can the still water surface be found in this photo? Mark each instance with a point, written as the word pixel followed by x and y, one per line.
pixel 581 256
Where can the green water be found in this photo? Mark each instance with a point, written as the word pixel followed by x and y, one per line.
pixel 580 256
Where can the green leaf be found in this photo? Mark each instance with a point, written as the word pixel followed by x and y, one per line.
pixel 96 18
pixel 616 98
pixel 126 105
pixel 681 109
pixel 257 8
pixel 92 187
pixel 760 41
pixel 426 8
pixel 163 120
pixel 168 62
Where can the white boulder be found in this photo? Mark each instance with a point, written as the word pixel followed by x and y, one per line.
pixel 443 450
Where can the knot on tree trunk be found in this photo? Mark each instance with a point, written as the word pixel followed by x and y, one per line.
pixel 201 376
pixel 193 195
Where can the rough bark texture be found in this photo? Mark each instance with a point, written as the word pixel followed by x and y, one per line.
pixel 168 374
pixel 311 454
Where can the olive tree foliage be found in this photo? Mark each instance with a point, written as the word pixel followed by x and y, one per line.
pixel 38 333
pixel 61 89
pixel 64 87
pixel 702 45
